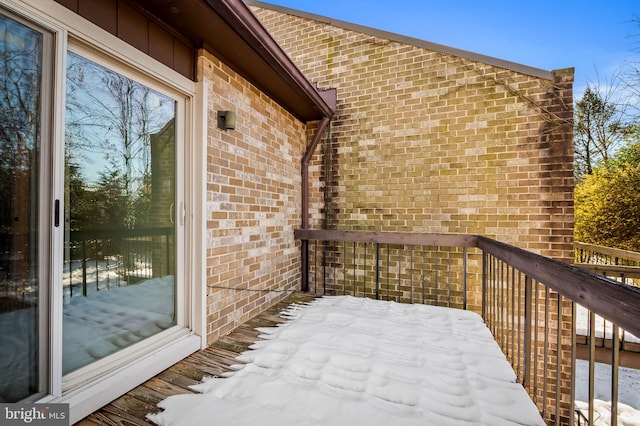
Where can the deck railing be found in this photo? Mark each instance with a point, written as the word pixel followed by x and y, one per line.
pixel 98 260
pixel 620 265
pixel 528 301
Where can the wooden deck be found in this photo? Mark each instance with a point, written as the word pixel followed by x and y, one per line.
pixel 132 408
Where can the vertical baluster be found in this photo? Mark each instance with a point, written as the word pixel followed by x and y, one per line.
pixel 317 280
pixel 615 361
pixel 545 356
pixel 334 266
pixel 485 273
pixel 572 401
pixel 344 269
pixel 592 357
pixel 491 295
pixel 527 331
pixel 501 304
pixel 399 286
pixel 312 268
pixel 437 290
pixel 410 274
pixel 323 259
pixel 464 278
pixel 377 268
pixel 513 318
pixel 422 272
pixel 536 305
pixel 364 269
pixel 388 271
pixel 519 325
pixel 558 348
pixel 355 283
pixel 449 280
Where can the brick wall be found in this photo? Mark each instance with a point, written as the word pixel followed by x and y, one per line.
pixel 425 141
pixel 253 200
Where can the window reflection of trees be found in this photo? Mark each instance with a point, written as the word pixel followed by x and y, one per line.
pixel 110 121
pixel 113 207
pixel 20 67
pixel 20 102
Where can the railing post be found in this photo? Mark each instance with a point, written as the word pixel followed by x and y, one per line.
pixel 527 330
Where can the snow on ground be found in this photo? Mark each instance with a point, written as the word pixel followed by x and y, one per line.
pixel 628 395
pixel 345 361
pixel 628 379
pixel 603 328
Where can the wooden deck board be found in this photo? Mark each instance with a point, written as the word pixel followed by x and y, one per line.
pixel 131 409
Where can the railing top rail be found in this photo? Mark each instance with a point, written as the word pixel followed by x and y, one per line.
pixel 609 251
pixel 399 238
pixel 610 299
pixel 626 271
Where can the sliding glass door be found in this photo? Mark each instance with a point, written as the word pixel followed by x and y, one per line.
pixel 120 245
pixel 22 120
pixel 90 234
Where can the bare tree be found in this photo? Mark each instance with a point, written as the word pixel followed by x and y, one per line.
pixel 110 119
pixel 601 126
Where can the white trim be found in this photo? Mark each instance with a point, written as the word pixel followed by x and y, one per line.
pixel 181 181
pixel 57 236
pixel 123 359
pixel 86 400
pixel 45 203
pixel 97 369
pixel 198 202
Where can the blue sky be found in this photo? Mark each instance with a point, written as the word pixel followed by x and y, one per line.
pixel 597 38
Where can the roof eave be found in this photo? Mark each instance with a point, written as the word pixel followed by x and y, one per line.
pixel 235 36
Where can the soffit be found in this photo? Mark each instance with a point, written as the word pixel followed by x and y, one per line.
pixel 228 29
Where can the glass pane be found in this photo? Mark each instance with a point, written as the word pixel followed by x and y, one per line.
pixel 119 213
pixel 20 68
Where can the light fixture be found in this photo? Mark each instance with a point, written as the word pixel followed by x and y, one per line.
pixel 226 120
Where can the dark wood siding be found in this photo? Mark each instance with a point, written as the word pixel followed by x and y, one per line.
pixel 140 30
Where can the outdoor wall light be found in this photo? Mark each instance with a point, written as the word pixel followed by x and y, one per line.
pixel 226 120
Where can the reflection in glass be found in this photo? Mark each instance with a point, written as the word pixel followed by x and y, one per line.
pixel 119 264
pixel 20 67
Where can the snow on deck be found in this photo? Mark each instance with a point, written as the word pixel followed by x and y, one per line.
pixel 343 361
